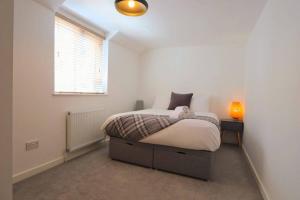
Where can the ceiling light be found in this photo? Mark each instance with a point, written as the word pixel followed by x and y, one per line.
pixel 132 7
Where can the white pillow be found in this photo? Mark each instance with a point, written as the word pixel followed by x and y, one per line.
pixel 200 104
pixel 161 102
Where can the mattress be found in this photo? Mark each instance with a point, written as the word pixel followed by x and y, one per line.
pixel 192 134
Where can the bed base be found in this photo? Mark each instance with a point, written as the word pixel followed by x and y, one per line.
pixel 193 163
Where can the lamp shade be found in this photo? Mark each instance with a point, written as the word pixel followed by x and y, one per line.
pixel 236 110
pixel 139 105
pixel 132 7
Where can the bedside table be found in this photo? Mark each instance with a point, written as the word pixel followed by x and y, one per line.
pixel 234 126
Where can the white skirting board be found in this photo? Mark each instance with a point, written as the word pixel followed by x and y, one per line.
pixel 58 161
pixel 260 184
pixel 74 154
pixel 38 169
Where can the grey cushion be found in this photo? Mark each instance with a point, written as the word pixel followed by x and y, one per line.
pixel 180 100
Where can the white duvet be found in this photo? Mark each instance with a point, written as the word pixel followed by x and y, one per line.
pixel 187 133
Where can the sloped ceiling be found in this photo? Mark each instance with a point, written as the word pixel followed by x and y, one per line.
pixel 174 22
pixel 52 4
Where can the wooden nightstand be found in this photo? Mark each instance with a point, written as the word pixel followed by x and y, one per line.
pixel 234 126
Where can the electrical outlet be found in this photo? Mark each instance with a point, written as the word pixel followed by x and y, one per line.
pixel 32 145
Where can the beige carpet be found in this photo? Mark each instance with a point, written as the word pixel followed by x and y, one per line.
pixel 96 177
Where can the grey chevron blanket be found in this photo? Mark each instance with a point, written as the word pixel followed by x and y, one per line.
pixel 135 127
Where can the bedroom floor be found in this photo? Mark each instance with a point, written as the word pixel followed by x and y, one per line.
pixel 96 177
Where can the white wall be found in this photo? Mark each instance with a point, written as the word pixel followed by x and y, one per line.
pixel 38 114
pixel 6 80
pixel 210 70
pixel 272 99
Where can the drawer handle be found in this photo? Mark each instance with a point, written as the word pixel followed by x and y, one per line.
pixel 130 144
pixel 180 152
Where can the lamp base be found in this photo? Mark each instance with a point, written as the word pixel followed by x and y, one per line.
pixel 237 119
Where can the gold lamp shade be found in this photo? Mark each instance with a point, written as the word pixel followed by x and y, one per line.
pixel 236 110
pixel 132 7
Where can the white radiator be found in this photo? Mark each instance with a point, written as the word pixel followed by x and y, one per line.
pixel 83 129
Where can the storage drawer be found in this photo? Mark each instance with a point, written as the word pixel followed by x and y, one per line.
pixel 131 152
pixel 232 126
pixel 186 162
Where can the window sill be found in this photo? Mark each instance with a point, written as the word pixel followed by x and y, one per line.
pixel 79 94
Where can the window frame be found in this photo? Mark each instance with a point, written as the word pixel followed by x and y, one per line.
pixel 95 31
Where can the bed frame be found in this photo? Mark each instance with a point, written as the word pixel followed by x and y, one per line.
pixel 186 162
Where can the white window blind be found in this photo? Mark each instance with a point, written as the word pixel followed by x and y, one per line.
pixel 79 66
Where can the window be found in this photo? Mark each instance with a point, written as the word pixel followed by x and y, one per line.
pixel 79 63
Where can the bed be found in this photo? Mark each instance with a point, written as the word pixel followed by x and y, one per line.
pixel 186 147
